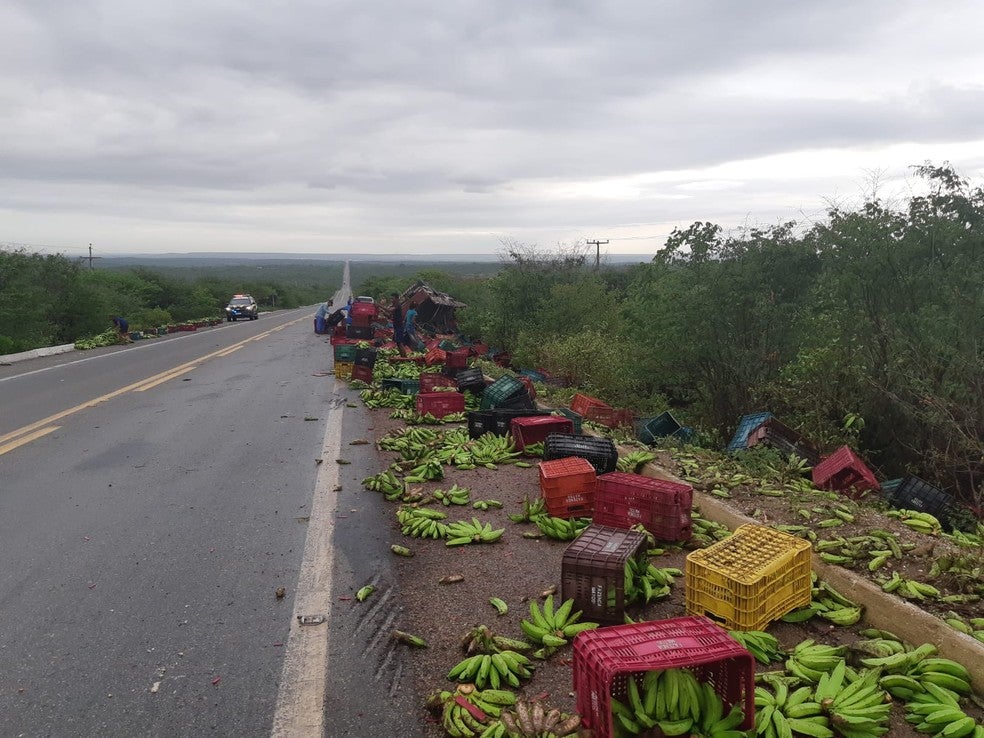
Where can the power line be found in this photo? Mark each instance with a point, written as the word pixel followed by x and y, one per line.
pixel 597 245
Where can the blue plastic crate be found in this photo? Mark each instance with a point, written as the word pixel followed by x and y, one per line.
pixel 661 426
pixel 746 425
pixel 534 375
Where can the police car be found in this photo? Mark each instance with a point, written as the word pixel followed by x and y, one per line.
pixel 241 306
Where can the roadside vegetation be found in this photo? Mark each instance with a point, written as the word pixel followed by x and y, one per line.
pixel 865 327
pixel 46 300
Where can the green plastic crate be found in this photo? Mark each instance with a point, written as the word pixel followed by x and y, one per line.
pixel 501 392
pixel 572 416
pixel 345 352
pixel 406 386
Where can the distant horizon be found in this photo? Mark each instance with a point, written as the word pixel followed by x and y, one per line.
pixel 388 258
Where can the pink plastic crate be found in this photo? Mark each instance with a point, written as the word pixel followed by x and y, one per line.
pixel 535 429
pixel 440 404
pixel 604 658
pixel 456 359
pixel 429 381
pixel 435 356
pixel 663 508
pixel 567 486
pixel 845 472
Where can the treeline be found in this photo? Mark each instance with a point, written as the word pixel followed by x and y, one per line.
pixel 864 328
pixel 48 300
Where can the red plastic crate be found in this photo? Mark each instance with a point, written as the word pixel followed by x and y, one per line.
pixel 581 403
pixel 363 373
pixel 592 571
pixel 528 383
pixel 428 381
pixel 440 404
pixel 567 486
pixel 534 429
pixel 433 344
pixel 456 359
pixel 478 349
pixel 341 340
pixel 435 356
pixel 604 658
pixel 662 507
pixel 845 472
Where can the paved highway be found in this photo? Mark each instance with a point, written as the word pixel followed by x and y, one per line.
pixel 153 498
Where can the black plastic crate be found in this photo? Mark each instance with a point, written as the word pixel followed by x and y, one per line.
pixel 915 494
pixel 365 357
pixel 472 380
pixel 354 331
pixel 502 418
pixel 479 423
pixel 521 402
pixel 601 452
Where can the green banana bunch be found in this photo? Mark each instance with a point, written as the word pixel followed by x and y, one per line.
pixel 921 522
pixel 495 669
pixel 811 660
pixel 454 496
pixel 481 639
pixel 486 504
pixel 763 646
pixel 783 713
pixel 677 704
pixel 463 532
pixel 645 582
pixel 373 398
pixel 421 522
pixel 531 719
pixel 973 627
pixel 910 589
pixel 705 532
pixel 878 648
pixel 945 673
pixel 410 442
pixel 633 461
pixel 533 449
pixel 489 450
pixel 532 509
pixel 469 712
pixel 900 663
pixel 560 529
pixel 429 471
pixel 857 710
pixel 553 628
pixel 937 711
pixel 363 594
pixel 392 487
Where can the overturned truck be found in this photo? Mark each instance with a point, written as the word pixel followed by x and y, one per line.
pixel 435 309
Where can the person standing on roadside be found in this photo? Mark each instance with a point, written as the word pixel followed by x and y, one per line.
pixel 410 328
pixel 396 315
pixel 122 328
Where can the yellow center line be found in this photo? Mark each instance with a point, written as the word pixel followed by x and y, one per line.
pixel 149 381
pixel 165 378
pixel 230 351
pixel 27 439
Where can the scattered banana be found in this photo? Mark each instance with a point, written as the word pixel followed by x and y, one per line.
pixel 553 628
pixel 463 532
pixel 422 522
pixel 531 719
pixel 495 669
pixel 763 646
pixel 560 529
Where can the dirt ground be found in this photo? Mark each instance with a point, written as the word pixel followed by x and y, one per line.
pixel 519 569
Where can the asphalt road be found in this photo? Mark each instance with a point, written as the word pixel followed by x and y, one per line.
pixel 152 500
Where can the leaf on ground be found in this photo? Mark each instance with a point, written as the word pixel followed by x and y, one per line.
pixel 359 442
pixel 342 461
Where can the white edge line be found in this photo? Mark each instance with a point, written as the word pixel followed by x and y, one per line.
pixel 301 697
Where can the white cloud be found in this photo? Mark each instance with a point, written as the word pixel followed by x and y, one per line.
pixel 308 126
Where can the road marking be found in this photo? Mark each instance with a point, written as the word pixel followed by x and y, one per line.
pixel 149 382
pixel 301 697
pixel 232 350
pixel 27 439
pixel 166 377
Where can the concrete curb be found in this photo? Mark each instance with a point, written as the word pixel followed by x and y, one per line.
pixel 36 353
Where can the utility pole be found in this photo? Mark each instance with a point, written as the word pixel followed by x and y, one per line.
pixel 597 245
pixel 90 256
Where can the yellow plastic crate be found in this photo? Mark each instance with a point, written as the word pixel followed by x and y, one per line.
pixel 343 369
pixel 750 579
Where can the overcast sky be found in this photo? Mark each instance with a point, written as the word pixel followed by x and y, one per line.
pixel 447 126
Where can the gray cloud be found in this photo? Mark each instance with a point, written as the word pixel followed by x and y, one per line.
pixel 436 125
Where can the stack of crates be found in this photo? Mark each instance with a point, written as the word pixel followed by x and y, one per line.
pixel 749 579
pixel 845 472
pixel 343 369
pixel 507 392
pixel 535 429
pixel 623 500
pixel 345 352
pixel 363 314
pixel 567 486
pixel 600 452
pixel 746 425
pixel 606 657
pixel 365 357
pixel 440 404
pixel 593 571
